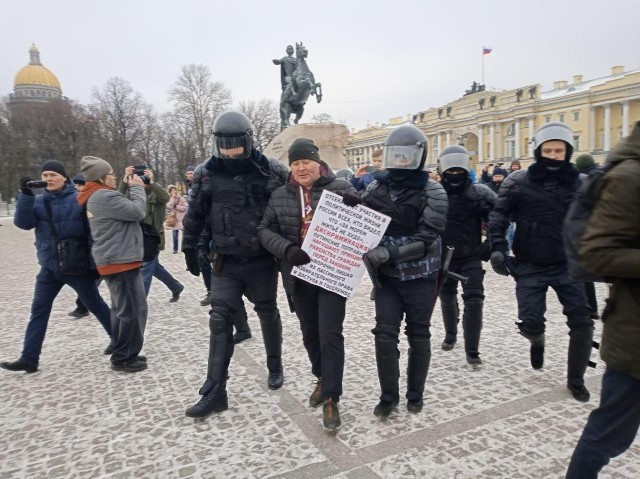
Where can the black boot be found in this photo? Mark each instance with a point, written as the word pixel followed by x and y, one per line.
pixel 450 313
pixel 537 349
pixel 472 325
pixel 417 370
pixel 272 337
pixel 580 344
pixel 214 400
pixel 387 356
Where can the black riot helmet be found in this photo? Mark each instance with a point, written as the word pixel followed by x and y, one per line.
pixel 404 150
pixel 232 136
pixel 454 166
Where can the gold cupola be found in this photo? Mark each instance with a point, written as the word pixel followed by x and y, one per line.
pixel 35 81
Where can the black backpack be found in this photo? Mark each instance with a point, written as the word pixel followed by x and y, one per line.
pixel 576 221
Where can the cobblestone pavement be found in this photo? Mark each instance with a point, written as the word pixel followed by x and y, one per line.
pixel 77 418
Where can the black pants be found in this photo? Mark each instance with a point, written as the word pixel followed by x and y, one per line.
pixel 412 300
pixel 532 282
pixel 321 315
pixel 611 427
pixel 258 276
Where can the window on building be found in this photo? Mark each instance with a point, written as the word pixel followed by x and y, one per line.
pixel 511 149
pixel 576 143
pixel 561 117
pixel 576 116
pixel 547 118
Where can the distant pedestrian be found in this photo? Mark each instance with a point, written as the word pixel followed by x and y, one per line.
pixel 55 215
pixel 157 198
pixel 177 206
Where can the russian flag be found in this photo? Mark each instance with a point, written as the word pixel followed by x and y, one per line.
pixel 486 50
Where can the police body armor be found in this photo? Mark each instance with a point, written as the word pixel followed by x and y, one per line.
pixel 237 205
pixel 405 211
pixel 463 230
pixel 540 213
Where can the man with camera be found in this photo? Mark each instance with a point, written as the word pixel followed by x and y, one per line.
pixel 157 198
pixel 56 217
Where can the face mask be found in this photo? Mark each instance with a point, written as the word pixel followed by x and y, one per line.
pixel 399 175
pixel 549 164
pixel 453 182
pixel 237 167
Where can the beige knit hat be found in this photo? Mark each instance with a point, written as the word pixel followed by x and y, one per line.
pixel 94 168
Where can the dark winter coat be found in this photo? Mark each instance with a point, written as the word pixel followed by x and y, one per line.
pixel 67 219
pixel 610 247
pixel 281 223
pixel 537 200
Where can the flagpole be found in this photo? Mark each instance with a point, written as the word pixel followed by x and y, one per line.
pixel 483 65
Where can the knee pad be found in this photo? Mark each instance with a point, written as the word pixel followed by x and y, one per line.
pixel 418 331
pixel 530 332
pixel 221 316
pixel 581 333
pixel 473 296
pixel 265 306
pixel 386 332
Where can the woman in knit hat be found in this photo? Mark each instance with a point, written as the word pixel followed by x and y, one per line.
pixel 56 209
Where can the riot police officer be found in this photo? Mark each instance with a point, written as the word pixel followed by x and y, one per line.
pixel 231 198
pixel 537 201
pixel 405 266
pixel 469 205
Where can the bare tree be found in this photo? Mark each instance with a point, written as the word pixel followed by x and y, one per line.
pixel 321 118
pixel 197 101
pixel 265 117
pixel 119 111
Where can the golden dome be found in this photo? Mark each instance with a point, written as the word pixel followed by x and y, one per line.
pixel 36 74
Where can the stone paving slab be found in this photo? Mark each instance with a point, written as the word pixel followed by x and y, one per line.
pixel 77 418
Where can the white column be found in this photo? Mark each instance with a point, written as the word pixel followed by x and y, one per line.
pixel 480 144
pixel 492 143
pixel 607 127
pixel 625 118
pixel 531 133
pixel 592 129
pixel 517 133
pixel 448 137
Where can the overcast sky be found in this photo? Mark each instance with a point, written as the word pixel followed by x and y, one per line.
pixel 375 59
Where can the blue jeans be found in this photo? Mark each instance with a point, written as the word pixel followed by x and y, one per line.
pixel 48 285
pixel 175 240
pixel 153 268
pixel 611 428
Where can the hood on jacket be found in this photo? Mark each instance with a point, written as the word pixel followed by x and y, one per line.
pixel 628 149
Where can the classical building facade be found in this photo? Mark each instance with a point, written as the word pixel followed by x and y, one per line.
pixel 497 126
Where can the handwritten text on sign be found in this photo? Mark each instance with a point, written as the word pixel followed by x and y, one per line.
pixel 337 238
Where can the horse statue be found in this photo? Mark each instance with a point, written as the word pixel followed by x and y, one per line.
pixel 296 93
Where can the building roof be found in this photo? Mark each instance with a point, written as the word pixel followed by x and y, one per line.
pixel 35 73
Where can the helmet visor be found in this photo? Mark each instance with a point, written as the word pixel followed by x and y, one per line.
pixel 236 147
pixel 402 157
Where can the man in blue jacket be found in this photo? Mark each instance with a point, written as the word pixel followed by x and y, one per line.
pixel 67 218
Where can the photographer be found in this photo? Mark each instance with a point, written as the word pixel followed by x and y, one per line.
pixel 157 198
pixel 364 175
pixel 56 206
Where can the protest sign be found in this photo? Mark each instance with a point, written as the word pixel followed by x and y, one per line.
pixel 337 238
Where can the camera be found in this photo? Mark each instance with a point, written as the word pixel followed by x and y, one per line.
pixel 139 171
pixel 370 169
pixel 36 184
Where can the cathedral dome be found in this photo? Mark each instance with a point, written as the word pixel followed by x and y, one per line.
pixel 35 80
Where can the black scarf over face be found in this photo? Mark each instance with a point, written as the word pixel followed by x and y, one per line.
pixel 417 179
pixel 543 168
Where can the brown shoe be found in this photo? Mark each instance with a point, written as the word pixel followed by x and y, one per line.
pixel 330 415
pixel 315 399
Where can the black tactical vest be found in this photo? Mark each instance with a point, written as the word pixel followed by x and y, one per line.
pixel 539 213
pixel 403 204
pixel 237 205
pixel 463 223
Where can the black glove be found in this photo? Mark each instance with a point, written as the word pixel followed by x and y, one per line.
pixel 352 200
pixel 191 259
pixel 498 263
pixel 297 256
pixel 23 186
